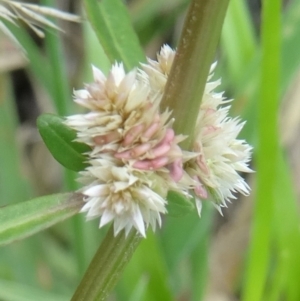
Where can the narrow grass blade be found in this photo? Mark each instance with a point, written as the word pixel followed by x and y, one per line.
pixel 286 229
pixel 267 153
pixel 113 28
pixel 11 175
pixel 62 98
pixel 238 41
pixel 246 89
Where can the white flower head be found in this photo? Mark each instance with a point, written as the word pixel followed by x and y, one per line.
pixel 136 157
pixel 217 157
pixel 123 196
pixel 156 72
pixel 113 101
pixel 221 156
pixel 125 120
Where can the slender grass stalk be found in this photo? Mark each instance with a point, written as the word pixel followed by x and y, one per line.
pixel 106 266
pixel 196 49
pixel 61 88
pixel 267 153
pixel 62 100
pixel 10 173
pixel 77 222
pixel 286 225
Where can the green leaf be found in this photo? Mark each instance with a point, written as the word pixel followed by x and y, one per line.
pixel 178 205
pixel 59 139
pixel 113 28
pixel 27 218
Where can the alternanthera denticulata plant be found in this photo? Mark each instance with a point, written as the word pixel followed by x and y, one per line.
pixel 152 136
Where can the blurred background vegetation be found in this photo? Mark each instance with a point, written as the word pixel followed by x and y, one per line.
pixel 214 258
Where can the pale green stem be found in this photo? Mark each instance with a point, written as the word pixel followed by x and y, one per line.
pixel 196 50
pixel 105 269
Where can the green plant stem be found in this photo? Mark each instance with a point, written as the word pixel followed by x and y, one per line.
pixel 196 49
pixel 106 267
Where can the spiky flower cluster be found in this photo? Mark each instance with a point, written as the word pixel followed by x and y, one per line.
pixel 135 157
pixel 220 154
